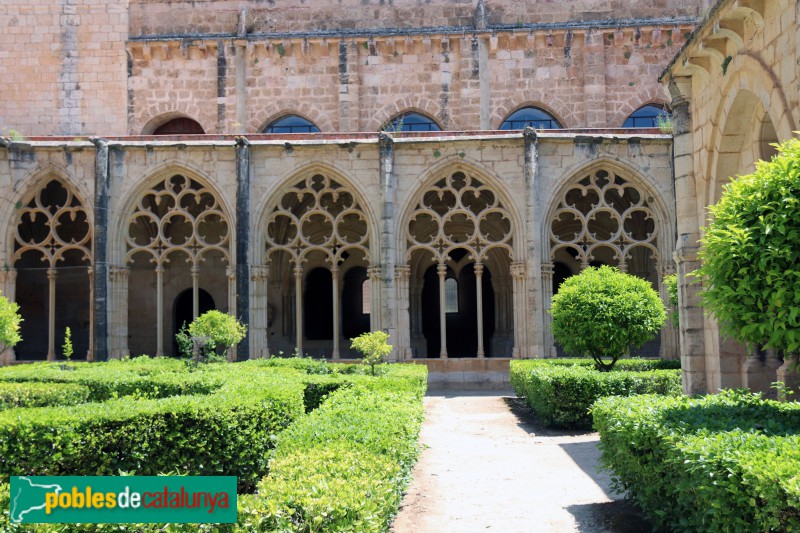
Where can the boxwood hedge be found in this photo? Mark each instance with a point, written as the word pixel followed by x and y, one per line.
pixel 32 394
pixel 561 393
pixel 342 467
pixel 727 462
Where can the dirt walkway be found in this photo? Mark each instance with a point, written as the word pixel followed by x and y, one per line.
pixel 488 466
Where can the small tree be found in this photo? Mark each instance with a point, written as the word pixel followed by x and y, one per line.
pixel 66 349
pixel 602 312
pixel 215 331
pixel 9 323
pixel 373 346
pixel 750 256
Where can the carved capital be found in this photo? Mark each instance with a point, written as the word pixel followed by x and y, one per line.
pixel 374 272
pixel 118 273
pixel 441 269
pixel 547 271
pixel 519 269
pixel 402 272
pixel 259 272
pixel 478 269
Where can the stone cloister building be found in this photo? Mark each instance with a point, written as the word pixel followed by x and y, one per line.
pixel 324 170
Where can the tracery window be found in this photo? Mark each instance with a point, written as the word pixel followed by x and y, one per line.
pixel 291 124
pixel 450 295
pixel 52 255
pixel 605 219
pixel 366 297
pixel 178 229
pixel 530 116
pixel 318 222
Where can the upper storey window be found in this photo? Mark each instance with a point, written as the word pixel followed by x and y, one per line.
pixel 647 116
pixel 291 124
pixel 412 122
pixel 179 126
pixel 530 116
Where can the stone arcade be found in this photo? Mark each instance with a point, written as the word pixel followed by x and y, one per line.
pixel 322 171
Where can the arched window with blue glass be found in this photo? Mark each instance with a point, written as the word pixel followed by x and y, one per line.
pixel 412 122
pixel 291 124
pixel 530 116
pixel 648 116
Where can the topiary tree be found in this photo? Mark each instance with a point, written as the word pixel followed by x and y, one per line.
pixel 374 346
pixel 750 255
pixel 602 312
pixel 9 323
pixel 215 331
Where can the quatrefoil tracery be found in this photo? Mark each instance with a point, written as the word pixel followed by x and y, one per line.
pixel 459 211
pixel 603 212
pixel 53 223
pixel 178 215
pixel 317 214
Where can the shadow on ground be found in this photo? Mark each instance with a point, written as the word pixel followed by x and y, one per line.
pixel 619 516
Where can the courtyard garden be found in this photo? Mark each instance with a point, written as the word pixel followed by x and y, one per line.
pixel 315 446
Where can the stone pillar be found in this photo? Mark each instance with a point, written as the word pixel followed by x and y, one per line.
pixel 90 352
pixel 159 311
pixel 479 307
pixel 519 274
pixel 118 332
pixel 442 271
pixel 386 290
pixel 375 275
pixel 336 305
pixel 195 273
pixel 547 290
pixel 243 241
pixel 692 341
pixel 232 297
pixel 594 75
pixel 536 320
pixel 760 371
pixel 102 196
pixel 51 314
pixel 8 281
pixel 349 84
pixel 788 375
pixel 402 274
pixel 259 308
pixel 298 309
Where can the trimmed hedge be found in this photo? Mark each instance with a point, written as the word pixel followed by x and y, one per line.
pixel 14 395
pixel 727 462
pixel 622 364
pixel 561 395
pixel 226 433
pixel 344 466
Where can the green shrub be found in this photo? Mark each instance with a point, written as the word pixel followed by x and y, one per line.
pixel 344 466
pixel 562 395
pixel 727 462
pixel 9 323
pixel 622 364
pixel 671 284
pixel 601 313
pixel 218 330
pixel 13 395
pixel 750 255
pixel 374 346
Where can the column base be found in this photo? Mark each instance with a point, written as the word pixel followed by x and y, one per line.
pixel 758 375
pixel 788 374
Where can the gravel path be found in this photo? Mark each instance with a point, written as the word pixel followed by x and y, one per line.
pixel 487 465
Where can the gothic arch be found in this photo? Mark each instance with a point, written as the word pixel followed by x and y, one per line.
pixel 159 119
pixel 649 95
pixel 417 104
pixel 51 253
pixel 316 220
pixel 460 221
pixel 176 229
pixel 301 109
pixel 537 105
pixel 563 112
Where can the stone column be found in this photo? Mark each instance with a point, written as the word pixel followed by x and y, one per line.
pixel 118 338
pixel 669 344
pixel 537 321
pixel 232 297
pixel 195 273
pixel 386 291
pixel 402 274
pixel 442 271
pixel 375 274
pixel 547 290
pixel 336 303
pixel 51 314
pixel 243 240
pixel 760 371
pixel 692 322
pixel 159 311
pixel 259 306
pixel 479 305
pixel 519 274
pixel 90 352
pixel 102 196
pixel 298 308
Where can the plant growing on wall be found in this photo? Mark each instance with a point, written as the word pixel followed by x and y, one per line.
pixel 751 255
pixel 602 312
pixel 374 346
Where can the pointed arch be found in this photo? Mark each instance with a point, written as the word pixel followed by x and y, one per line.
pixel 416 104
